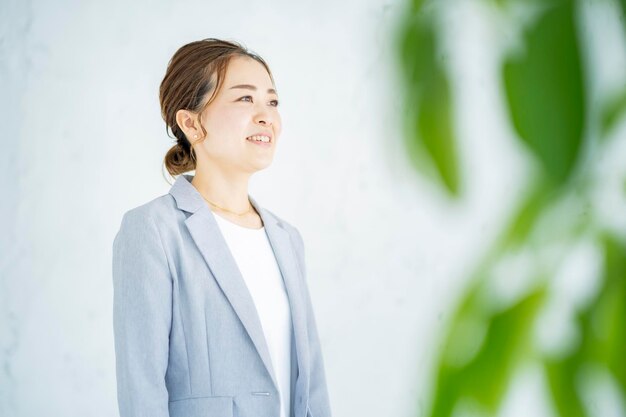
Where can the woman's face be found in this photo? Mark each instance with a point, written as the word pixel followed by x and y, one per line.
pixel 245 105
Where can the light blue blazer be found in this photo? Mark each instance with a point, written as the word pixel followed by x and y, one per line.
pixel 188 340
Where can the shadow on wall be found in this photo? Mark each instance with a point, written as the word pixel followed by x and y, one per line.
pixel 489 337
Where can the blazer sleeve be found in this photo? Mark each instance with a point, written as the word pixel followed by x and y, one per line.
pixel 319 401
pixel 142 313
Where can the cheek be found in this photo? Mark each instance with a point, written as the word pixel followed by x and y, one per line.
pixel 278 124
pixel 227 122
pixel 233 115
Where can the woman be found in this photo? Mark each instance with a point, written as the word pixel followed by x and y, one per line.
pixel 212 315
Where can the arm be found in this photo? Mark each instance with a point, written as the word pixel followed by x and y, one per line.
pixel 142 308
pixel 319 401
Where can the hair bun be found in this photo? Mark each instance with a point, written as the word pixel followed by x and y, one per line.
pixel 179 159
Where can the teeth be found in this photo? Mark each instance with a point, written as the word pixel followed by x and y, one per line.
pixel 259 138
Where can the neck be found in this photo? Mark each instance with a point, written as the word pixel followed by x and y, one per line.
pixel 227 190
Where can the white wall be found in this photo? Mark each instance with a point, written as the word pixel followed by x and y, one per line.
pixel 83 141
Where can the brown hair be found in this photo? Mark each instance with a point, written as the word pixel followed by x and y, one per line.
pixel 196 69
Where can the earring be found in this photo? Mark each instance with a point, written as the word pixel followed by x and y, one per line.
pixel 195 136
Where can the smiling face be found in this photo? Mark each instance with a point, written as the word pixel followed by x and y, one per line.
pixel 245 105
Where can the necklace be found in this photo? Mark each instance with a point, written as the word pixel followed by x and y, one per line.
pixel 222 208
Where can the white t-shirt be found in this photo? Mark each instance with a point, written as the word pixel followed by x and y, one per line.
pixel 256 261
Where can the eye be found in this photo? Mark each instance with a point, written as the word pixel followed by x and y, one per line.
pixel 274 102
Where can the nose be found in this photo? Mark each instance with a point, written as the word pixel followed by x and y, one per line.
pixel 263 117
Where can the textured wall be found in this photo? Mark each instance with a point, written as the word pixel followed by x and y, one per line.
pixel 83 141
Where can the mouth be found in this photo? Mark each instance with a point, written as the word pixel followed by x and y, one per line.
pixel 261 140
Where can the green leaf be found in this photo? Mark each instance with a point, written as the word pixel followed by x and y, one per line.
pixel 485 376
pixel 429 136
pixel 603 335
pixel 434 124
pixel 545 92
pixel 606 320
pixel 562 380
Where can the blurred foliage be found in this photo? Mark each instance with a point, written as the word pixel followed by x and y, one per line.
pixel 429 106
pixel 603 334
pixel 544 83
pixel 484 376
pixel 544 89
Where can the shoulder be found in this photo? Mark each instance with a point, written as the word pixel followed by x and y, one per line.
pixel 148 221
pixel 157 210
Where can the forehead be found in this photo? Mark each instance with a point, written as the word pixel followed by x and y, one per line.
pixel 245 70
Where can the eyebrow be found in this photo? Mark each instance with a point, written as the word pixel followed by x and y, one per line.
pixel 252 87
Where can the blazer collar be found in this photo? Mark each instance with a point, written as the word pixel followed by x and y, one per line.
pixel 208 237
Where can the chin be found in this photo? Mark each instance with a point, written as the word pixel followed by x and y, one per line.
pixel 261 165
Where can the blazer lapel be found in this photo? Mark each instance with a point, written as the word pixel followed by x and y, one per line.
pixel 286 257
pixel 207 236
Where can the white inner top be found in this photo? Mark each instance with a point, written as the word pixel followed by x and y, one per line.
pixel 256 261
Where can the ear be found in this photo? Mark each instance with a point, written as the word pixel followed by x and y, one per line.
pixel 188 122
